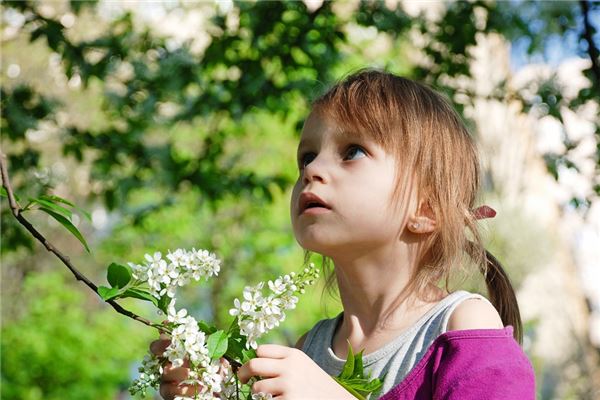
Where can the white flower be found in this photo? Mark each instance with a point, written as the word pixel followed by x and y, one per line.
pixel 237 309
pixel 258 314
pixel 179 257
pixel 270 305
pixel 253 298
pixel 154 258
pixel 277 287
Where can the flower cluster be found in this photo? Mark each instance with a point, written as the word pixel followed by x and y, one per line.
pixel 258 314
pixel 196 345
pixel 188 342
pixel 150 372
pixel 180 267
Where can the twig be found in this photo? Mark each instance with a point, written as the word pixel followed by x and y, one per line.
pixel 16 211
pixel 587 34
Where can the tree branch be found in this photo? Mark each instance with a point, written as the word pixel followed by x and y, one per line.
pixel 16 211
pixel 587 34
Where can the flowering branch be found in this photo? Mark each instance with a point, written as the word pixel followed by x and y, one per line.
pixel 17 213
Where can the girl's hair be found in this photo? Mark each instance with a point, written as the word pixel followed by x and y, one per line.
pixel 420 128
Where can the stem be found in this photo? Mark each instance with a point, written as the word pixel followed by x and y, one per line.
pixel 17 213
pixel 587 34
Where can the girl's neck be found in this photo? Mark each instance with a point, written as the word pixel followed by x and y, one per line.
pixel 377 298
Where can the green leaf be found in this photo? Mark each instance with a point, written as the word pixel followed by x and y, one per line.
pixel 217 344
pixel 57 199
pixel 373 385
pixel 139 294
pixel 247 355
pixel 234 349
pixel 4 193
pixel 118 275
pixel 358 365
pixel 163 303
pixel 206 328
pixel 67 224
pixel 234 327
pixel 107 293
pixel 55 207
pixel 349 389
pixel 348 369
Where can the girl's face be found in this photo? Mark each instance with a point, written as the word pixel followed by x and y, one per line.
pixel 342 200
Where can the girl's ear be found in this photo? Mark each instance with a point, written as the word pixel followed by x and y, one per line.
pixel 423 221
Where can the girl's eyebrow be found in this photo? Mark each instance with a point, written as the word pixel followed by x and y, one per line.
pixel 306 142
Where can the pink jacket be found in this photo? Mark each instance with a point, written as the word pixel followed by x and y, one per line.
pixel 479 364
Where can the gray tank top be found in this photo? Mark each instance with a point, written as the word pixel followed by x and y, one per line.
pixel 396 358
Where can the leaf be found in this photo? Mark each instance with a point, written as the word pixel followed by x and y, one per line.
pixel 217 344
pixel 139 294
pixel 4 193
pixel 358 366
pixel 349 389
pixel 67 224
pixel 247 355
pixel 163 303
pixel 55 207
pixel 234 349
pixel 234 328
pixel 373 385
pixel 348 369
pixel 206 328
pixel 118 275
pixel 107 293
pixel 57 199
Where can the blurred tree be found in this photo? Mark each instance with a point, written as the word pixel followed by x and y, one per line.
pixel 267 59
pixel 89 354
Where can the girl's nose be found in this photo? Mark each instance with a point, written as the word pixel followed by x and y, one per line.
pixel 315 171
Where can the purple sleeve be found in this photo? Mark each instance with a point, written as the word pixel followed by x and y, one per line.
pixel 483 367
pixel 478 364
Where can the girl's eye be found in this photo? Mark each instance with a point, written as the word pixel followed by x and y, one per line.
pixel 354 152
pixel 305 159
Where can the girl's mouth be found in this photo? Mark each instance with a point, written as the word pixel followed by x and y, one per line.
pixel 311 204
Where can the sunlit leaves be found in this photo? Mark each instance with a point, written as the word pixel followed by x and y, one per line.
pixel 353 378
pixel 217 344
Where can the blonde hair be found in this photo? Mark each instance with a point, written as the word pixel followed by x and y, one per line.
pixel 420 128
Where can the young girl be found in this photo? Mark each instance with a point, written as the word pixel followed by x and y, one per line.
pixel 388 177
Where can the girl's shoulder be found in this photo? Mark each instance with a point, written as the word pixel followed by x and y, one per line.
pixel 474 313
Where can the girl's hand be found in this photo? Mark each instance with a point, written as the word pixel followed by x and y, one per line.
pixel 289 374
pixel 172 377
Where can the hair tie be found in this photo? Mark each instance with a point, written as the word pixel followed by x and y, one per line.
pixel 483 212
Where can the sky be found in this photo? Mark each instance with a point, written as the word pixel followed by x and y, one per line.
pixel 558 48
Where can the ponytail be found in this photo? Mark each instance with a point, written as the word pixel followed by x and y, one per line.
pixel 500 290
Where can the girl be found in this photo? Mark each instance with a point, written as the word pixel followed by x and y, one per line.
pixel 386 191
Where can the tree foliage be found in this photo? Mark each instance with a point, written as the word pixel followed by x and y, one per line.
pixel 69 365
pixel 273 56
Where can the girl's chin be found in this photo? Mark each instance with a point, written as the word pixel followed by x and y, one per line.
pixel 324 248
